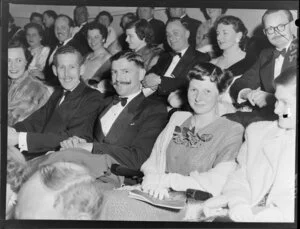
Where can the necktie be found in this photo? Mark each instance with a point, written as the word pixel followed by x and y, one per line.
pixel 63 97
pixel 277 53
pixel 118 99
pixel 176 54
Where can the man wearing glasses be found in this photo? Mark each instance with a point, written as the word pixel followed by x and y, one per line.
pixel 256 86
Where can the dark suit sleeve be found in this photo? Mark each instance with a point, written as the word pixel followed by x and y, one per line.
pixel 134 155
pixel 81 125
pixel 250 79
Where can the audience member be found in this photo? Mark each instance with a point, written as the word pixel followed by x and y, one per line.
pixel 71 109
pixel 97 63
pixel 125 19
pixel 37 18
pixel 256 85
pixel 81 15
pixel 26 93
pixel 262 189
pixel 49 17
pixel 231 37
pixel 191 23
pixel 61 190
pixel 15 32
pixel 158 26
pixel 126 130
pixel 140 37
pixel 105 18
pixel 35 36
pixel 206 41
pixel 169 74
pixel 196 150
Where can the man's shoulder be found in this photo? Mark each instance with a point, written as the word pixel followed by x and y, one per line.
pixel 191 20
pixel 155 21
pixel 150 104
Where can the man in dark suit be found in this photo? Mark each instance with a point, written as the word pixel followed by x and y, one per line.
pixel 127 128
pixel 63 28
pixel 71 110
pixel 256 86
pixel 158 26
pixel 169 73
pixel 192 24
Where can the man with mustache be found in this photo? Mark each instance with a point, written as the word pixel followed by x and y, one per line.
pixel 127 128
pixel 256 86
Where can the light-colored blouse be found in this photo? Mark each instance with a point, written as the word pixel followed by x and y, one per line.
pixel 40 55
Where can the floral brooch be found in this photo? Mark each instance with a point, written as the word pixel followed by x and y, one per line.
pixel 189 138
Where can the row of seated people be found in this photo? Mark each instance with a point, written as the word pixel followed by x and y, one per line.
pixel 125 131
pixel 169 70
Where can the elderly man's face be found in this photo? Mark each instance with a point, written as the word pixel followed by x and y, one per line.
pixel 62 29
pixel 126 77
pixel 80 15
pixel 36 201
pixel 145 12
pixel 177 36
pixel 279 39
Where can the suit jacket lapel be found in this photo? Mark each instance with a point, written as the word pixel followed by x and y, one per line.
pixel 124 119
pixel 291 55
pixel 183 63
pixel 267 71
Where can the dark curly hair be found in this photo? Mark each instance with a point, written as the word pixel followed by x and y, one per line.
pixel 143 30
pixel 221 78
pixel 237 25
pixel 95 25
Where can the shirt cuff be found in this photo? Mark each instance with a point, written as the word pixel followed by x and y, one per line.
pixel 23 141
pixel 239 99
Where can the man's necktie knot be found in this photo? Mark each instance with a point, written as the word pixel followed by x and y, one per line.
pixel 277 53
pixel 118 99
pixel 176 54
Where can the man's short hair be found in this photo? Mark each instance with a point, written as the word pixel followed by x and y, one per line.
pixel 51 13
pixel 143 30
pixel 70 21
pixel 174 19
pixel 36 14
pixel 286 12
pixel 76 188
pixel 130 56
pixel 65 50
pixel 288 77
pixel 131 16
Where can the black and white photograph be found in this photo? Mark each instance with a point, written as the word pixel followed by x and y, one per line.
pixel 141 113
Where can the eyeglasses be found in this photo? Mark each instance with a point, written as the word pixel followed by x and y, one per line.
pixel 279 28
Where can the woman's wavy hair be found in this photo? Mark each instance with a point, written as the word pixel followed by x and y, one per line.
pixel 18 44
pixel 237 25
pixel 143 30
pixel 36 26
pixel 221 78
pixel 95 25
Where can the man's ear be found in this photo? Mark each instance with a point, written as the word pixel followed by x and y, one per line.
pixel 82 69
pixel 187 33
pixel 142 73
pixel 54 69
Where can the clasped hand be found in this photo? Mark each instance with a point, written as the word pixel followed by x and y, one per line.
pixel 156 185
pixel 12 136
pixel 76 142
pixel 151 81
pixel 260 98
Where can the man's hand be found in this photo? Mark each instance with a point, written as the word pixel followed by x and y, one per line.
pixel 72 142
pixel 151 80
pixel 260 98
pixel 12 136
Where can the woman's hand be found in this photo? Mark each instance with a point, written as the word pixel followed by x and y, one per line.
pixel 155 185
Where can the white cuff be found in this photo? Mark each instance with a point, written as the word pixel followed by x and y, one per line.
pixel 239 99
pixel 23 141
